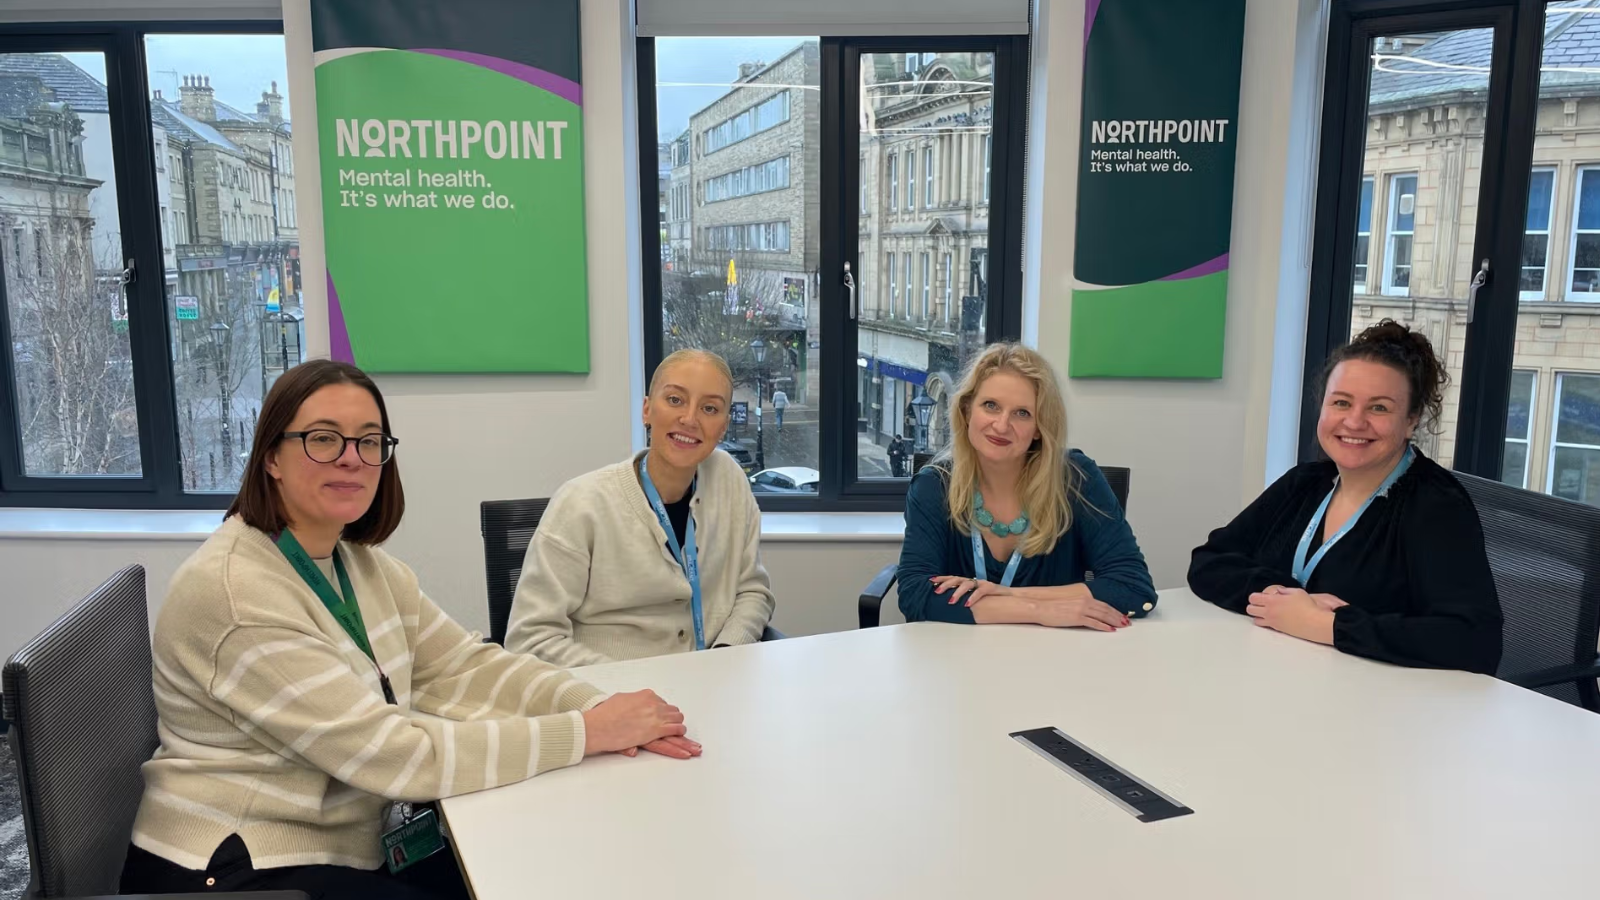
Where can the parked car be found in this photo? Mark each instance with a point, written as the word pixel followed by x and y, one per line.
pixel 741 455
pixel 785 480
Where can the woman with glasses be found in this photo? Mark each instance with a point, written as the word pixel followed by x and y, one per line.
pixel 290 657
pixel 659 553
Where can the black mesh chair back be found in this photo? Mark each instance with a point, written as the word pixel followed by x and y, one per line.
pixel 508 527
pixel 1119 478
pixel 83 720
pixel 1545 556
pixel 869 604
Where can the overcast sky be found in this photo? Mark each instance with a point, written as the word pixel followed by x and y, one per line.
pixel 241 66
pixel 692 73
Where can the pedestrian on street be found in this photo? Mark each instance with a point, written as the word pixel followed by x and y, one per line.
pixel 780 402
pixel 898 450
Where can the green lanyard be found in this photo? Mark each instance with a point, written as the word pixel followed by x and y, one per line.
pixel 343 608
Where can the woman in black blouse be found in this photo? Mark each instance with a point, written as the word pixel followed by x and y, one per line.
pixel 1376 550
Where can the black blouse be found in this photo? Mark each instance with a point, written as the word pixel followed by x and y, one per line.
pixel 1413 567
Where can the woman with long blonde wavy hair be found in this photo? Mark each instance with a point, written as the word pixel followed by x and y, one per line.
pixel 1006 523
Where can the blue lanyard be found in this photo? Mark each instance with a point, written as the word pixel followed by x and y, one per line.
pixel 1304 567
pixel 688 556
pixel 982 571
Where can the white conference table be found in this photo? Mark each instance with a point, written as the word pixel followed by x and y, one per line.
pixel 878 764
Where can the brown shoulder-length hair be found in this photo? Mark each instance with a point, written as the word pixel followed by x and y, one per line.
pixel 258 501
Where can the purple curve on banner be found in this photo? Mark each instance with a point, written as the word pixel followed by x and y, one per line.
pixel 1209 267
pixel 564 88
pixel 1090 7
pixel 338 334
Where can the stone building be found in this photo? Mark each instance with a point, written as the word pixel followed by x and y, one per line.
pixel 676 250
pixel 1416 221
pixel 926 149
pixel 756 182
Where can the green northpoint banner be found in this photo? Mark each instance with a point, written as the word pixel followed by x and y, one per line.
pixel 451 142
pixel 1155 187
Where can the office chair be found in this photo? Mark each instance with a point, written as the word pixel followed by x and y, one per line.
pixel 508 527
pixel 1544 553
pixel 869 604
pixel 83 720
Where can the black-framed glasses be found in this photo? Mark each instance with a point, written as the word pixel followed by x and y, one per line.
pixel 325 446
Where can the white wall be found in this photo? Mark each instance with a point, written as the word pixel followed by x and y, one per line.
pixel 1198 449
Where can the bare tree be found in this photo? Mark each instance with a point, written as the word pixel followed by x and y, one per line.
pixel 700 311
pixel 217 383
pixel 74 366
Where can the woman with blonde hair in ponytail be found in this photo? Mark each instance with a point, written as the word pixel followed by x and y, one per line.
pixel 1006 523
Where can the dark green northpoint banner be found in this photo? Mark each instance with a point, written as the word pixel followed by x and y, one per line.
pixel 451 141
pixel 1155 187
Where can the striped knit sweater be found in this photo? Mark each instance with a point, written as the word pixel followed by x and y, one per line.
pixel 273 723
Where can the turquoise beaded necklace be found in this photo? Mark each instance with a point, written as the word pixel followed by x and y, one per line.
pixel 1000 529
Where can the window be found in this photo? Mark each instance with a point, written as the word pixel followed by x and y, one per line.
pixel 1536 234
pixel 141 396
pixel 787 229
pixel 763 116
pixel 761 237
pixel 927 286
pixel 894 296
pixel 1402 222
pixel 1574 471
pixel 1586 237
pixel 772 175
pixel 906 269
pixel 1363 235
pixel 1423 231
pixel 894 183
pixel 1519 427
pixel 911 179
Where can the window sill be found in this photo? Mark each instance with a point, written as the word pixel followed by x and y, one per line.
pixel 833 526
pixel 197 525
pixel 109 524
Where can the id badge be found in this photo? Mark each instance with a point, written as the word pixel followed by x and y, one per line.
pixel 415 840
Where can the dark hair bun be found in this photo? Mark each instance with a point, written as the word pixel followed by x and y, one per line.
pixel 1408 352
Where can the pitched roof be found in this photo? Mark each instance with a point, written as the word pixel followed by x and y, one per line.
pixel 232 115
pixel 20 94
pixel 226 113
pixel 1458 61
pixel 169 116
pixel 69 84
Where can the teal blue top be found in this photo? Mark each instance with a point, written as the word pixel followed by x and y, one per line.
pixel 1099 541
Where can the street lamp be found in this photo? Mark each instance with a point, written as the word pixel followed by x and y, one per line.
pixel 923 408
pixel 219 336
pixel 759 348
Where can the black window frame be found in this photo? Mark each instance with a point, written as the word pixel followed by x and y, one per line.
pixel 160 484
pixel 1485 385
pixel 840 488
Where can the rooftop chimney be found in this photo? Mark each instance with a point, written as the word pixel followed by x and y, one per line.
pixel 196 98
pixel 271 105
